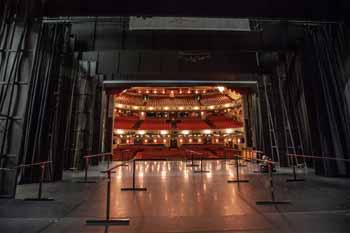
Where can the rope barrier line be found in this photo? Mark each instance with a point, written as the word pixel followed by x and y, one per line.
pixel 97 155
pixel 295 179
pixel 87 159
pixel 42 177
pixel 318 157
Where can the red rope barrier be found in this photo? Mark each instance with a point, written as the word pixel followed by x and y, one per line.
pixel 318 157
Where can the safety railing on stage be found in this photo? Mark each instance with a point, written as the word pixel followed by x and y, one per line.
pixel 295 178
pixel 41 181
pixel 108 220
pixel 237 163
pixel 201 161
pixel 87 159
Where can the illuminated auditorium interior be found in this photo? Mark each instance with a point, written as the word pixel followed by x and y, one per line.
pixel 160 121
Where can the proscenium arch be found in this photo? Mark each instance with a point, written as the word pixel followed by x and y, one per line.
pixel 250 87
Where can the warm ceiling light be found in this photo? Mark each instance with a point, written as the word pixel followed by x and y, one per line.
pixel 166 108
pixel 150 108
pixel 155 92
pixel 199 140
pixel 196 91
pixel 189 91
pixel 181 108
pixel 164 140
pixel 204 91
pixel 139 91
pixel 212 107
pixel 190 140
pixel 196 108
pixel 163 91
pixel 181 140
pixel 216 140
pixel 135 107
pixel 180 91
pixel 155 140
pixel 145 140
pixel 147 91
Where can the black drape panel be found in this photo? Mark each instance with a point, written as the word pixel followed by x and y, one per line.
pixel 325 81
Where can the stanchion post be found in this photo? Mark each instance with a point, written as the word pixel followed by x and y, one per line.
pixel 42 177
pixel 237 180
pixel 123 158
pixel 192 162
pixel 272 191
pixel 109 160
pixel 295 179
pixel 108 220
pixel 133 188
pixel 201 165
pixel 86 173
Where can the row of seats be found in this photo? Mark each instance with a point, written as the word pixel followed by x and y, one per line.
pixel 192 124
pixel 129 100
pixel 152 124
pixel 125 122
pixel 206 100
pixel 215 100
pixel 219 122
pixel 172 102
pixel 173 153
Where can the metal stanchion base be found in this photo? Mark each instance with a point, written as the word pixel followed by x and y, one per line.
pixel 272 202
pixel 294 180
pixel 106 172
pixel 201 171
pixel 133 189
pixel 39 199
pixel 237 181
pixel 86 182
pixel 120 222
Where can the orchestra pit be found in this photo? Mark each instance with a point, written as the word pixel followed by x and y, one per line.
pixel 174 117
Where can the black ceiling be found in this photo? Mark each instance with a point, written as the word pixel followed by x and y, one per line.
pixel 286 9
